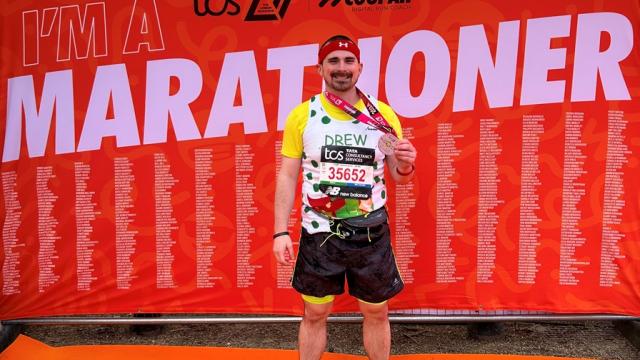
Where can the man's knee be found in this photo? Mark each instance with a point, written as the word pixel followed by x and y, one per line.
pixel 374 312
pixel 317 312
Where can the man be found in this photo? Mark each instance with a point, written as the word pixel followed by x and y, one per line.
pixel 338 138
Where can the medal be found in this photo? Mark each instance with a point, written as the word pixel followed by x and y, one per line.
pixel 387 143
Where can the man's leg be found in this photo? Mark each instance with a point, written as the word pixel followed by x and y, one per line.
pixel 312 338
pixel 376 331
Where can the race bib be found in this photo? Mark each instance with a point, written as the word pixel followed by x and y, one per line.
pixel 347 172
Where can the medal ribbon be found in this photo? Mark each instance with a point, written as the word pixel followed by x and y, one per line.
pixel 378 121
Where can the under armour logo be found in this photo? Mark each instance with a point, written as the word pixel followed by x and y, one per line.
pixel 343 44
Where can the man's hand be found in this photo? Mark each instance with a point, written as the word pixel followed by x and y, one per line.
pixel 283 244
pixel 405 154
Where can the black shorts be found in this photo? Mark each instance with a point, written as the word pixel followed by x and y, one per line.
pixel 369 266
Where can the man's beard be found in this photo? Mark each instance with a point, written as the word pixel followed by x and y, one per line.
pixel 341 80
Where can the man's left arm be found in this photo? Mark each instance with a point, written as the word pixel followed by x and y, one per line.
pixel 402 163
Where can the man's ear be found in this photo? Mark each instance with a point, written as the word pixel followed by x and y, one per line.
pixel 319 69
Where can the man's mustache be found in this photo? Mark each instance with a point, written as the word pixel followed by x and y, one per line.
pixel 342 73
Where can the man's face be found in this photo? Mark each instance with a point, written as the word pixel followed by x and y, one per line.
pixel 340 70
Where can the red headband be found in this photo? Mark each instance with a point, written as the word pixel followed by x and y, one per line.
pixel 340 44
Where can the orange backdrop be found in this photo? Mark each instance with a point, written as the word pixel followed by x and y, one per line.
pixel 141 144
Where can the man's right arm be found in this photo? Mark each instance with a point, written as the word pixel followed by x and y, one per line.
pixel 285 195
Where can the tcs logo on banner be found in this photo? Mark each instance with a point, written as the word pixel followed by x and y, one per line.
pixel 258 11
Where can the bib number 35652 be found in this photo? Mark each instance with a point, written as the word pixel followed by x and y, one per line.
pixel 347 172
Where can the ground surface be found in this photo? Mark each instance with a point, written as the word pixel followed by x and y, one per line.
pixel 593 339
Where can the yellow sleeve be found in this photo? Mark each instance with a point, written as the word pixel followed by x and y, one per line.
pixel 391 117
pixel 293 129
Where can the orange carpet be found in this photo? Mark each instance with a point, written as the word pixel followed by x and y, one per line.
pixel 26 348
